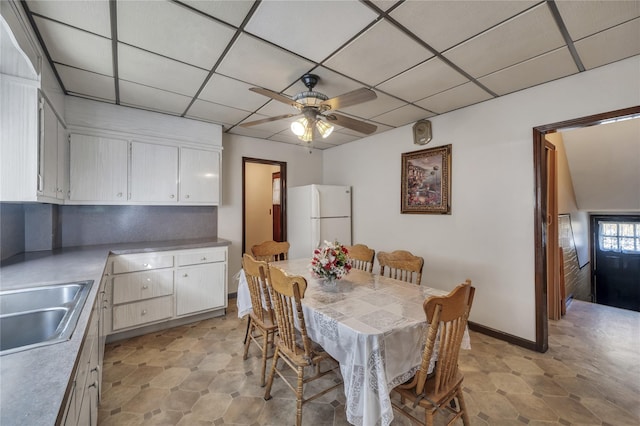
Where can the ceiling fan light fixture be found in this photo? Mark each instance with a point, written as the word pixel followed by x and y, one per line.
pixel 299 126
pixel 324 128
pixel 307 136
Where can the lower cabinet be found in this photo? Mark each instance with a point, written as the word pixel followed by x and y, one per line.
pixel 151 288
pixel 82 408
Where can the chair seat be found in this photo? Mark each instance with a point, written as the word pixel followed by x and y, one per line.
pixel 299 358
pixel 266 324
pixel 429 398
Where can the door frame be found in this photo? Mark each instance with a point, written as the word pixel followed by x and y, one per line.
pixel 540 211
pixel 283 195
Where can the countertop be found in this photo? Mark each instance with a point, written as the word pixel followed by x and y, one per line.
pixel 33 382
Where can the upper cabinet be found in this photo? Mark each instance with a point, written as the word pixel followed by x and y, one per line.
pixel 161 160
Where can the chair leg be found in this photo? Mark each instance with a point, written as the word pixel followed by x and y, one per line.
pixel 463 408
pixel 246 333
pixel 247 340
pixel 299 395
pixel 267 392
pixel 265 343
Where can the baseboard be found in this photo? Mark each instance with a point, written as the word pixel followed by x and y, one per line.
pixel 500 335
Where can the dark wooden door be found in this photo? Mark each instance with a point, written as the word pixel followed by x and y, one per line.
pixel 617 261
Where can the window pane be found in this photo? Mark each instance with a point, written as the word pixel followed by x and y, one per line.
pixel 627 229
pixel 609 229
pixel 627 244
pixel 609 243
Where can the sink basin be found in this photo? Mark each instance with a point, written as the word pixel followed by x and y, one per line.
pixel 40 316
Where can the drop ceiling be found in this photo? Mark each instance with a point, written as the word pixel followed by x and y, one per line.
pixel 198 59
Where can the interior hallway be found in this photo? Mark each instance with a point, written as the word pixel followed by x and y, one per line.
pixel 195 375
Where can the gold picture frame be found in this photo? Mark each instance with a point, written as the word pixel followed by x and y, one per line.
pixel 426 181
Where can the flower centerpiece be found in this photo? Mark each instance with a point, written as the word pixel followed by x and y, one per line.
pixel 330 261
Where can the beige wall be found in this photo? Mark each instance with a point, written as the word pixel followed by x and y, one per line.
pixel 489 237
pixel 258 203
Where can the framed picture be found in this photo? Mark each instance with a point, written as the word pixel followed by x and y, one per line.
pixel 426 181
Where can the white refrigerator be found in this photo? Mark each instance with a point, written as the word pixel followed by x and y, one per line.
pixel 316 213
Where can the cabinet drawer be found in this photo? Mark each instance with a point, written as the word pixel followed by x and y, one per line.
pixel 196 257
pixel 137 313
pixel 142 285
pixel 133 263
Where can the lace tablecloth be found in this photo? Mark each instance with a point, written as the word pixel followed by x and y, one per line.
pixel 372 325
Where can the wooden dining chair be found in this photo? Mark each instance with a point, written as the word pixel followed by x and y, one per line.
pixel 261 318
pixel 271 251
pixel 401 265
pixel 447 317
pixel 293 345
pixel 362 257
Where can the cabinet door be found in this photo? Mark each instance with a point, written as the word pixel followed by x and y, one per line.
pixel 201 287
pixel 63 162
pixel 154 173
pixel 98 169
pixel 49 152
pixel 199 176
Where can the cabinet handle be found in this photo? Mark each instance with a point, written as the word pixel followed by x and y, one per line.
pixel 95 369
pixel 185 275
pixel 92 385
pixel 145 287
pixel 145 265
pixel 203 259
pixel 186 196
pixel 119 194
pixel 171 196
pixel 144 312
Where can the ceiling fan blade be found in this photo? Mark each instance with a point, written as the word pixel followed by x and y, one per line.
pixel 352 123
pixel 277 96
pixel 267 120
pixel 350 98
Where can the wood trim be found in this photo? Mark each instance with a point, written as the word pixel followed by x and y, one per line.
pixel 283 194
pixel 509 338
pixel 540 211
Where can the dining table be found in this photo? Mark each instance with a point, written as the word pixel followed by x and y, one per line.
pixel 374 326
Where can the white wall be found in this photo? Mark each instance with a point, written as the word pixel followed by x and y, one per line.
pixel 489 236
pixel 303 168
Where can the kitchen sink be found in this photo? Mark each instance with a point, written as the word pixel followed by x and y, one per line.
pixel 40 316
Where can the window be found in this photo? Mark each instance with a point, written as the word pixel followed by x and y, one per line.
pixel 619 236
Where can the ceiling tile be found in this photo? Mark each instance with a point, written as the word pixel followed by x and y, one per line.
pixel 150 98
pixel 457 97
pixel 227 91
pixel 611 45
pixel 426 79
pixel 216 113
pixel 87 83
pixel 230 11
pixel 383 103
pixel 290 138
pixel 273 108
pixel 385 4
pixel 76 48
pixel 380 128
pixel 403 115
pixel 154 26
pixel 378 54
pixel 584 18
pixel 146 68
pixel 259 63
pixel 345 18
pixel 92 16
pixel 443 24
pixel 251 132
pixel 516 40
pixel 543 68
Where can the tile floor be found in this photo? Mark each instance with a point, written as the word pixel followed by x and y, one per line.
pixel 195 375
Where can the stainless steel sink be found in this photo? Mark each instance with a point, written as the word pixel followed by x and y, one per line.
pixel 40 316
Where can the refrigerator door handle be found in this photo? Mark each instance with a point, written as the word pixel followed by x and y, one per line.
pixel 315 202
pixel 315 233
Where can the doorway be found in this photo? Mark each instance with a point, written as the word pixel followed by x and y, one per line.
pixel 263 201
pixel 541 211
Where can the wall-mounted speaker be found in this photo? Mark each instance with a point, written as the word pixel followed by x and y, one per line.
pixel 422 132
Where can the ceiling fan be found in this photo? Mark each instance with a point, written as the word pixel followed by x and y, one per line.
pixel 316 110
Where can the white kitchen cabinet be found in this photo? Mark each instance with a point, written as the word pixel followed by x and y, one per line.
pixel 53 156
pixel 154 172
pixel 98 169
pixel 199 176
pixel 156 288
